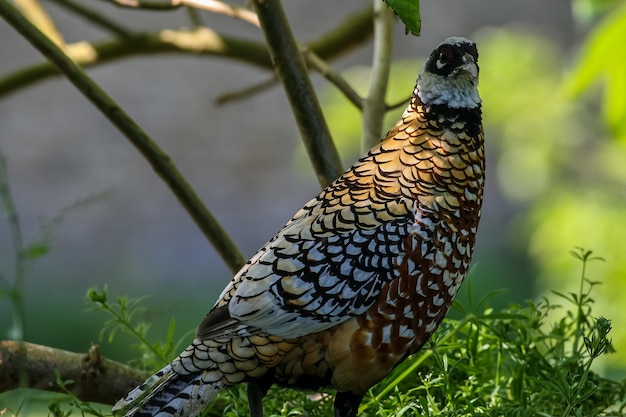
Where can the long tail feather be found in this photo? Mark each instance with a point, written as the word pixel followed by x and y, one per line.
pixel 169 394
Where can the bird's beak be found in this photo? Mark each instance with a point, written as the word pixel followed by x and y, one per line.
pixel 469 65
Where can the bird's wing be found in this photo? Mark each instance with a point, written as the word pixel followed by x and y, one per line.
pixel 299 286
pixel 329 262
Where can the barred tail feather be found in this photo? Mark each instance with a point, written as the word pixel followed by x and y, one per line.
pixel 170 394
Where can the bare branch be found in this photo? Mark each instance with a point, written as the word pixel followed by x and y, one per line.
pixel 293 74
pixel 220 7
pixel 145 4
pixel 95 378
pixel 15 290
pixel 400 103
pixel 318 64
pixel 246 92
pixel 41 19
pixel 315 63
pixel 194 17
pixel 158 159
pixel 214 6
pixel 354 31
pixel 94 17
pixel 374 104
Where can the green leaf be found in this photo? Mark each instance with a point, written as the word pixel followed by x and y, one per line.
pixel 409 12
pixel 585 11
pixel 36 250
pixel 604 59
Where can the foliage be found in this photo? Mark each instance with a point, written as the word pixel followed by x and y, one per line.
pixel 409 12
pixel 553 161
pixel 534 128
pixel 67 407
pixel 123 313
pixel 513 362
pixel 516 362
pixel 27 252
pixel 603 59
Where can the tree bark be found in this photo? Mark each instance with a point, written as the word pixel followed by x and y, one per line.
pixel 292 72
pixel 96 379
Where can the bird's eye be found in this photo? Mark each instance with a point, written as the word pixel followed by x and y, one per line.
pixel 445 55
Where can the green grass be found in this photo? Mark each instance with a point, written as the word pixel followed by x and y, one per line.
pixel 525 360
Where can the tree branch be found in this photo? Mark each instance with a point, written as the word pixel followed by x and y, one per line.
pixel 95 378
pixel 33 11
pixel 201 41
pixel 353 31
pixel 222 8
pixel 292 72
pixel 214 6
pixel 334 77
pixel 15 290
pixel 94 17
pixel 159 160
pixel 246 92
pixel 400 103
pixel 374 106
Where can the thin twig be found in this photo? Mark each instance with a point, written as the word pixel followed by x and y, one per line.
pixel 398 104
pixel 318 64
pixel 39 17
pixel 16 290
pixel 374 104
pixel 202 41
pixel 146 4
pixel 315 63
pixel 194 17
pixel 19 260
pixel 213 6
pixel 292 72
pixel 359 23
pixel 222 8
pixel 246 92
pixel 158 159
pixel 353 31
pixel 94 17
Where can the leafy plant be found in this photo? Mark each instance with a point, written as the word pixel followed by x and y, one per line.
pixel 603 60
pixel 123 315
pixel 57 409
pixel 515 362
pixel 531 359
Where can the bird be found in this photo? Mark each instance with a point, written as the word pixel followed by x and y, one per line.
pixel 361 276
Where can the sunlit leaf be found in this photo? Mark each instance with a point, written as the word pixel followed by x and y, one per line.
pixel 585 11
pixel 604 59
pixel 409 12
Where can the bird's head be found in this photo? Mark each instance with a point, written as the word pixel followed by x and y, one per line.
pixel 450 76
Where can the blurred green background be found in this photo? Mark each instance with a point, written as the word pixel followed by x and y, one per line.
pixel 555 120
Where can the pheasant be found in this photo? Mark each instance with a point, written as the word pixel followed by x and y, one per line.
pixel 361 276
